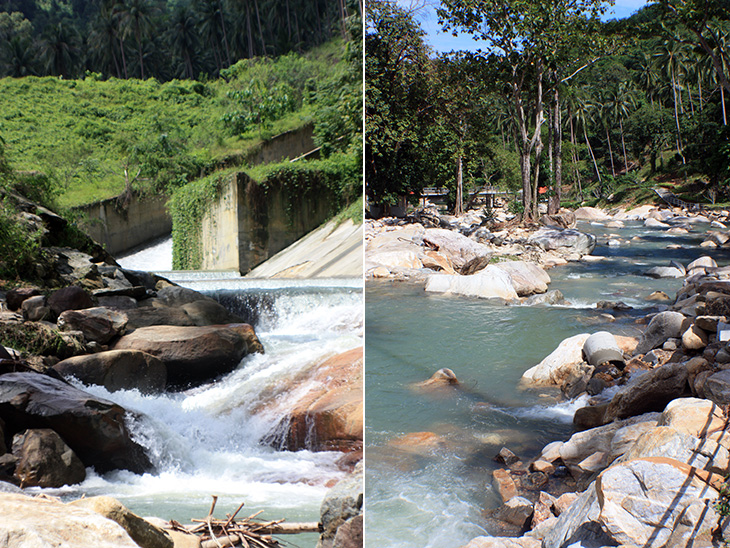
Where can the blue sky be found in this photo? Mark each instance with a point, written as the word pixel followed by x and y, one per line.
pixel 445 42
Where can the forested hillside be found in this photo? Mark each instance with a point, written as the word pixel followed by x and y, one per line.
pixel 159 39
pixel 554 99
pixel 94 137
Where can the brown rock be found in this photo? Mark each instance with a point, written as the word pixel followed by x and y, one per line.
pixel 192 355
pixel 98 324
pixel 436 261
pixel 209 312
pixel 117 370
pixel 350 533
pixel 16 296
pixel 36 309
pixel 563 502
pixel 694 338
pixel 69 298
pixel 542 466
pixel 504 484
pixel 249 335
pixel 44 460
pixel 475 265
pixel 330 416
pixel 543 509
pixel 150 315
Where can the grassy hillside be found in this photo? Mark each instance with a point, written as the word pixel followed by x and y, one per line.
pixel 93 137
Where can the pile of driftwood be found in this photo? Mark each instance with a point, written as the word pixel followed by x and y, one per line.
pixel 243 533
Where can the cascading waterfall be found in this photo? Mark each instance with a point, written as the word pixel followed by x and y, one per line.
pixel 219 438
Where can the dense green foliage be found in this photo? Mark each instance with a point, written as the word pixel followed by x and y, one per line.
pixel 94 138
pixel 559 100
pixel 187 207
pixel 162 40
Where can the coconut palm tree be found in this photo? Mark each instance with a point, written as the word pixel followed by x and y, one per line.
pixel 59 49
pixel 182 39
pixel 135 17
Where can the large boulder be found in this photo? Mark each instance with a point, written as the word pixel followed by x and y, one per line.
pixel 44 460
pixel 330 415
pixel 665 441
pixel 48 523
pixel 489 283
pixel 651 502
pixel 341 503
pixel 651 391
pixel 192 355
pixel 457 247
pixel 15 297
pixel 117 370
pixel 152 314
pixel 69 298
pixel 209 312
pixel 717 387
pixel 663 326
pixel 93 427
pixel 565 241
pixel 142 532
pixel 561 365
pixel 98 324
pixel 591 214
pixel 527 278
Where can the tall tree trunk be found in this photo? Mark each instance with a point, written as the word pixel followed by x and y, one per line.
pixel 124 58
pixel 574 155
pixel 261 31
pixel 557 151
pixel 343 16
pixel 676 119
pixel 536 179
pixel 459 207
pixel 610 152
pixel 590 150
pixel 138 36
pixel 249 31
pixel 223 28
pixel 722 100
pixel 623 144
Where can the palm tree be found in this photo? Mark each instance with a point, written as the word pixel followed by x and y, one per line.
pixel 18 57
pixel 584 110
pixel 135 17
pixel 621 101
pixel 59 49
pixel 671 56
pixel 182 39
pixel 209 27
pixel 103 42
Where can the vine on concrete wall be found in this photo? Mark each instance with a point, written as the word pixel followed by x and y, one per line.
pixel 187 207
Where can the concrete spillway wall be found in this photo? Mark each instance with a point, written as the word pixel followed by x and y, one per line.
pixel 249 223
pixel 120 228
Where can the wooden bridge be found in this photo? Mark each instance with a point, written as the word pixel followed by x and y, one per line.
pixel 673 201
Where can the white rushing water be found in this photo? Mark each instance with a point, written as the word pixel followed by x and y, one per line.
pixel 208 440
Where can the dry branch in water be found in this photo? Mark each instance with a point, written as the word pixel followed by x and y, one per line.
pixel 244 533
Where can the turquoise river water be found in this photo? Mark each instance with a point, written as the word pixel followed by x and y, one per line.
pixel 437 499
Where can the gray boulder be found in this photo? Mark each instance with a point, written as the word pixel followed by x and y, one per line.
pixel 651 391
pixel 457 247
pixel 527 278
pixel 341 503
pixel 36 309
pixel 490 283
pixel 663 326
pixel 664 272
pixel 717 387
pixel 564 241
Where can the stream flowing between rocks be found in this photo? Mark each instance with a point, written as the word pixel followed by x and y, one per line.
pixel 435 495
pixel 208 440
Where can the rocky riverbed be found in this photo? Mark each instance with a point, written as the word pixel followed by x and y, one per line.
pixel 90 322
pixel 650 452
